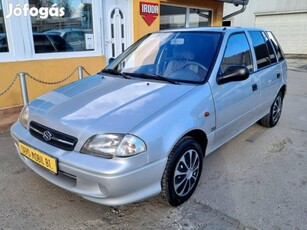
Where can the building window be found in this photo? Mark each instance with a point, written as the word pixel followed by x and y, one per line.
pixel 3 39
pixel 227 23
pixel 199 18
pixel 172 17
pixel 71 32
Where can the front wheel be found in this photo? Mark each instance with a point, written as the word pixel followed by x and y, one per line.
pixel 272 118
pixel 182 171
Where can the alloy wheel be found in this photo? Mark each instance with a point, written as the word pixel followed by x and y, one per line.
pixel 186 172
pixel 277 108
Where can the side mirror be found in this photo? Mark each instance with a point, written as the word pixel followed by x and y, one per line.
pixel 233 73
pixel 111 60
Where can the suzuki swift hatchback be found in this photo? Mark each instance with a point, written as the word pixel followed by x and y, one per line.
pixel 143 125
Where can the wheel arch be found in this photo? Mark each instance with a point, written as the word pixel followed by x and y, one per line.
pixel 283 90
pixel 200 136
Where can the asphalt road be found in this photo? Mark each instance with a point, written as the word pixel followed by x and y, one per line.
pixel 256 181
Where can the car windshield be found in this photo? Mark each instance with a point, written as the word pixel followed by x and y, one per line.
pixel 176 56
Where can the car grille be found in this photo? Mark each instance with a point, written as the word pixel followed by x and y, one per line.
pixel 53 137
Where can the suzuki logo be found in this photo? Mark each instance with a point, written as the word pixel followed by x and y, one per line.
pixel 47 136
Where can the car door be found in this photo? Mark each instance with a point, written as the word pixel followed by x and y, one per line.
pixel 269 71
pixel 236 103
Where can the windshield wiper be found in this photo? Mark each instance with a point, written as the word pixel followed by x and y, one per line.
pixel 114 72
pixel 152 76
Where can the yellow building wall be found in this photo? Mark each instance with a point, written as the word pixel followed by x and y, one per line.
pixel 46 70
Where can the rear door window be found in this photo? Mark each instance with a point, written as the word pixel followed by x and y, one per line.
pixel 270 48
pixel 280 55
pixel 264 51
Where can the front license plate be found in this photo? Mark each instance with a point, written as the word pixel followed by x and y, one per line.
pixel 38 157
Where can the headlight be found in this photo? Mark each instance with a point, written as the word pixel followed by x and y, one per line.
pixel 110 145
pixel 24 117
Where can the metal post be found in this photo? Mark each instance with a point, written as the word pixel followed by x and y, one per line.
pixel 80 69
pixel 24 90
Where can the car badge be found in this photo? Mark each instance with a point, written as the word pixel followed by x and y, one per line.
pixel 47 136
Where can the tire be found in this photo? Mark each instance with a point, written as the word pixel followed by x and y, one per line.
pixel 180 177
pixel 272 118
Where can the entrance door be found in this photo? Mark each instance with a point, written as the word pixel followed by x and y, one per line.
pixel 117 18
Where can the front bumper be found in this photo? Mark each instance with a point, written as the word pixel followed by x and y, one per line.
pixel 113 182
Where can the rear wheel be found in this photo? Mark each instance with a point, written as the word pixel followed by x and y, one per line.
pixel 272 118
pixel 182 171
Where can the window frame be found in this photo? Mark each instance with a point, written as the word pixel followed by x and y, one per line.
pixel 12 41
pixel 187 13
pixel 21 48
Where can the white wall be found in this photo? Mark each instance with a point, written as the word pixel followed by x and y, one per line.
pixel 287 19
pixel 264 6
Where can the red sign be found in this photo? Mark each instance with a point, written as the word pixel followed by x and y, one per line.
pixel 149 11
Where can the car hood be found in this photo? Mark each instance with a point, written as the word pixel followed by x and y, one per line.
pixel 103 104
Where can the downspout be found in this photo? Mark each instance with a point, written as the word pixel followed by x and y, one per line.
pixel 235 13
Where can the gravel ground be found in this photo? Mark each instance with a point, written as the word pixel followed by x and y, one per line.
pixel 256 181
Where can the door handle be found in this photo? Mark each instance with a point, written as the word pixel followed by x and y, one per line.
pixel 255 87
pixel 278 75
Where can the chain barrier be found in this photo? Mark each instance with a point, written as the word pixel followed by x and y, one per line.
pixel 10 86
pixel 50 83
pixel 44 82
pixel 88 74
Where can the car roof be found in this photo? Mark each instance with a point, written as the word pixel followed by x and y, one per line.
pixel 214 29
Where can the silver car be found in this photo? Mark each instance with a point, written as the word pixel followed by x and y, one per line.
pixel 143 125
